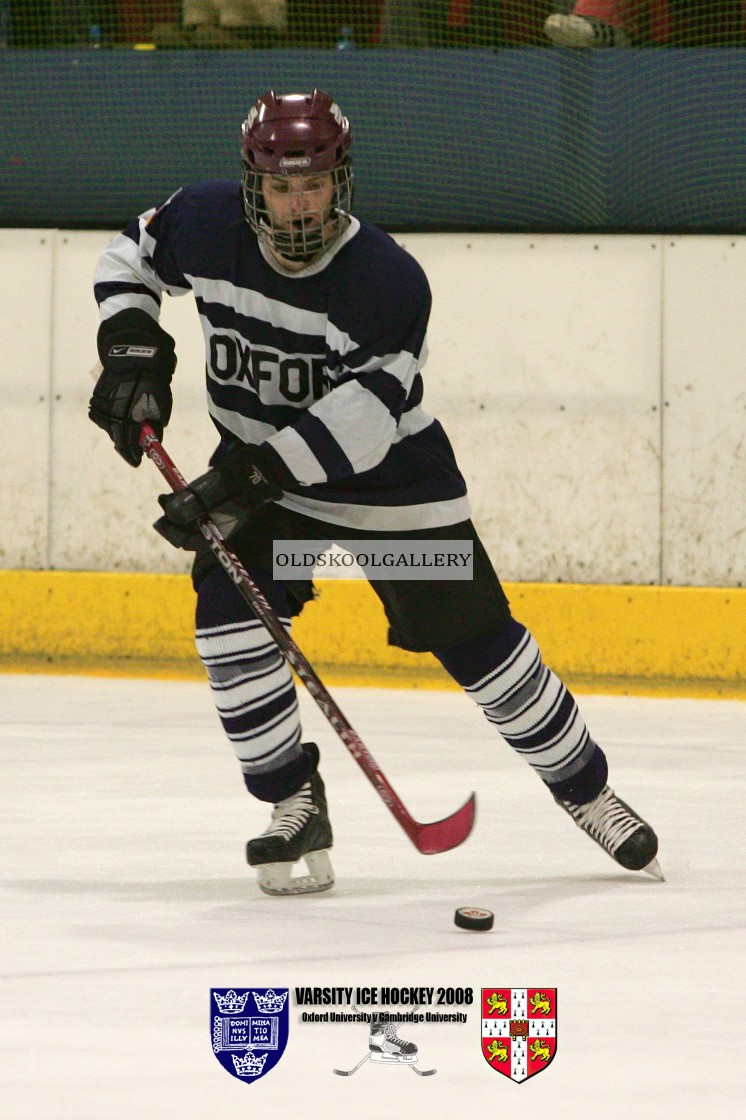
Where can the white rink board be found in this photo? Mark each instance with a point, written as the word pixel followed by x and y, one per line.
pixel 549 360
pixel 551 401
pixel 704 389
pixel 24 401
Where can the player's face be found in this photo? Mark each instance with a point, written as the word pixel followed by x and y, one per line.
pixel 300 205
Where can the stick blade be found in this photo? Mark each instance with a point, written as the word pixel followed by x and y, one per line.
pixel 441 836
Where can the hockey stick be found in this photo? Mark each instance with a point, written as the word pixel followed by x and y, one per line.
pixel 438 836
pixel 349 1072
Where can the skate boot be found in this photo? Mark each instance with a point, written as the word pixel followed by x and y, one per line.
pixel 384 1044
pixel 626 837
pixel 299 829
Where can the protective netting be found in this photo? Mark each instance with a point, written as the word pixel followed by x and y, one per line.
pixel 369 24
pixel 467 114
pixel 344 24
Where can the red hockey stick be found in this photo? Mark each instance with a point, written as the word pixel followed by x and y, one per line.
pixel 440 836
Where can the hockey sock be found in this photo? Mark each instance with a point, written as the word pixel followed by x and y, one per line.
pixel 252 686
pixel 503 672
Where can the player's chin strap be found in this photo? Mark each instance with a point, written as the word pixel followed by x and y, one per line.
pixel 438 836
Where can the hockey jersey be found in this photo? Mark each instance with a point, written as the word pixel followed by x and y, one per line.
pixel 321 367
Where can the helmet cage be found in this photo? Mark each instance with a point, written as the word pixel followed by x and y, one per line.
pixel 301 241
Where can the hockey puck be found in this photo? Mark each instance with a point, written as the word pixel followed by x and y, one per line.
pixel 474 917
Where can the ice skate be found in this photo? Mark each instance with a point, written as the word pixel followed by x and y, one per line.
pixel 611 823
pixel 385 1045
pixel 386 1048
pixel 299 829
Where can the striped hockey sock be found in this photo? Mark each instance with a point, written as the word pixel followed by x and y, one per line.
pixel 531 708
pixel 253 690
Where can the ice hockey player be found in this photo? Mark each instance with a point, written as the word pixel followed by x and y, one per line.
pixel 315 332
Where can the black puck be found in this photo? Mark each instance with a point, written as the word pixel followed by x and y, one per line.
pixel 474 917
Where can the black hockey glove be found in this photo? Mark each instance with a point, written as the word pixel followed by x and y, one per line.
pixel 228 494
pixel 135 385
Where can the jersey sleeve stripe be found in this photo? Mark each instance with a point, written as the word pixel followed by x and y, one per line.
pixel 403 365
pixel 106 289
pixel 411 424
pixel 387 389
pixel 126 263
pixel 296 459
pixel 133 232
pixel 123 302
pixel 324 446
pixel 358 422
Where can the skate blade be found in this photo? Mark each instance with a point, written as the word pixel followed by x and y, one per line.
pixel 393 1059
pixel 276 879
pixel 654 869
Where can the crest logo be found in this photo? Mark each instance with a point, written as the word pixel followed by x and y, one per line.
pixel 519 1030
pixel 249 1029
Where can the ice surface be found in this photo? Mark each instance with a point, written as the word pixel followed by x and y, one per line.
pixel 126 897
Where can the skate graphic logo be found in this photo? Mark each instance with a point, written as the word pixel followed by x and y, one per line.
pixel 519 1030
pixel 249 1029
pixel 384 1045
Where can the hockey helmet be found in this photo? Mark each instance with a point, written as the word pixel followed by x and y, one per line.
pixel 297 134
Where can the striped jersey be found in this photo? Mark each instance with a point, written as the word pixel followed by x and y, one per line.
pixel 321 367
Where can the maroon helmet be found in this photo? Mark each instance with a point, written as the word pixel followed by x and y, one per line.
pixel 297 134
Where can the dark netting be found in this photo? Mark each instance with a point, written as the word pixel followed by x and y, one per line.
pixel 367 24
pixel 467 114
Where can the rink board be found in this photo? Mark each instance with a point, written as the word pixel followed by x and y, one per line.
pixel 592 389
pixel 143 623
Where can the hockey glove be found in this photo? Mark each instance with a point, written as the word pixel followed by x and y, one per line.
pixel 135 384
pixel 228 494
